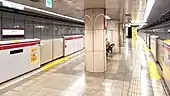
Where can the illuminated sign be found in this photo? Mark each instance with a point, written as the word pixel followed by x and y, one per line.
pixel 49 3
pixel 12 32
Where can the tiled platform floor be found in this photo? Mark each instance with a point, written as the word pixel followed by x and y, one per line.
pixel 125 77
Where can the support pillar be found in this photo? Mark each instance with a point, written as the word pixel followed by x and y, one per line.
pixel 95 40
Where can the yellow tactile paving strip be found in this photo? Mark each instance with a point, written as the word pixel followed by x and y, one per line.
pixel 154 74
pixel 53 63
pixel 153 71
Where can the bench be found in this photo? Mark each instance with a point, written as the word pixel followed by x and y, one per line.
pixel 109 48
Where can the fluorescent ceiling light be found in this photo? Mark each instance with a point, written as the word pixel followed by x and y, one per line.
pixel 149 6
pixel 138 22
pixel 127 25
pixel 168 30
pixel 107 17
pixel 39 26
pixel 13 5
pixel 48 12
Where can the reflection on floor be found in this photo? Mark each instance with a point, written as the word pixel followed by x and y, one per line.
pixel 125 77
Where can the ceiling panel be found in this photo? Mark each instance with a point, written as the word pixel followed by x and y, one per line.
pixel 75 8
pixel 72 8
pixel 160 7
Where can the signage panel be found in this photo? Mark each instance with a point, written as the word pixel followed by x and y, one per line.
pixel 12 32
pixel 49 3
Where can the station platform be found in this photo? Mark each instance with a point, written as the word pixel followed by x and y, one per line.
pixel 128 74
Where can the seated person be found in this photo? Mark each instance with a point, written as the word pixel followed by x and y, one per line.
pixel 111 47
pixel 107 43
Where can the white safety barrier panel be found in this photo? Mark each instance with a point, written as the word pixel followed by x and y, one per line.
pixel 18 57
pixel 154 46
pixel 73 44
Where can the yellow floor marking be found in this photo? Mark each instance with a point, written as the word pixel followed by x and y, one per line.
pixel 51 64
pixel 167 40
pixel 147 49
pixel 15 41
pixel 153 70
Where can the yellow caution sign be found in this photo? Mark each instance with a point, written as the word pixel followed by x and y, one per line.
pixel 33 55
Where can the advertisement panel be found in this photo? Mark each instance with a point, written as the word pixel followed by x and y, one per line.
pixel 33 55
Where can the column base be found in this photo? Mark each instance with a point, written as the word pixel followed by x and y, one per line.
pixel 95 61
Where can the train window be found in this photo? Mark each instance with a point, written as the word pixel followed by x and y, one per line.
pixel 73 31
pixel 57 32
pixel 37 28
pixel 66 31
pixel 47 30
pixel 29 27
pixel 77 31
pixel 7 22
pixel 19 23
pixel 82 31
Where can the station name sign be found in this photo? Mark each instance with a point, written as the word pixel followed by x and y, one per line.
pixel 12 32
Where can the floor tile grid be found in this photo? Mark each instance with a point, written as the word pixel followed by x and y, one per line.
pixel 126 84
pixel 135 81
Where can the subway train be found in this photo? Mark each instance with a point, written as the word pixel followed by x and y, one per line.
pixel 159 43
pixel 29 40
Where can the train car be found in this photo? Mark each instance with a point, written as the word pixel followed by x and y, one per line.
pixel 160 52
pixel 154 46
pixel 148 40
pixel 166 62
pixel 145 37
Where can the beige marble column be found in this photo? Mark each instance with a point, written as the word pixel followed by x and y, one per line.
pixel 95 40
